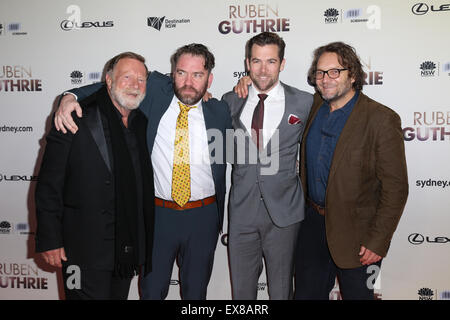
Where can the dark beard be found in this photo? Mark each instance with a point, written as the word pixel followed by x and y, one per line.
pixel 189 100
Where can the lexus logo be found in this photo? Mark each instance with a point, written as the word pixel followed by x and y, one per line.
pixel 416 238
pixel 420 8
pixel 68 25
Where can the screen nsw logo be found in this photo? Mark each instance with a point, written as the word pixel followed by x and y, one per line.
pixel 12 28
pixel 430 69
pixel 254 18
pixel 370 16
pixel 78 77
pixel 20 228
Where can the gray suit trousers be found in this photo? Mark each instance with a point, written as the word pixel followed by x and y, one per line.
pixel 261 239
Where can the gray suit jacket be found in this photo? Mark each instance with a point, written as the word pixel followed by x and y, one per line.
pixel 271 175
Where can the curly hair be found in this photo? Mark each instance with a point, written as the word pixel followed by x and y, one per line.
pixel 347 58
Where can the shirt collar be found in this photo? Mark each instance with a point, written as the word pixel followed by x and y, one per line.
pixel 175 106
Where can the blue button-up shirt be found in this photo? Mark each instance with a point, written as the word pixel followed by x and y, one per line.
pixel 320 144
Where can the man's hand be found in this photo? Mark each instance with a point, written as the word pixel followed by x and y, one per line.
pixel 63 118
pixel 54 257
pixel 207 96
pixel 242 87
pixel 368 257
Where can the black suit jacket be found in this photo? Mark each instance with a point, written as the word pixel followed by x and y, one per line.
pixel 75 191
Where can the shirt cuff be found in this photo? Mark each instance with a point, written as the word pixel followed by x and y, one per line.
pixel 68 92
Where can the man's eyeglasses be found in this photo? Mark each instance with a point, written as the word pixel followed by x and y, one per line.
pixel 332 73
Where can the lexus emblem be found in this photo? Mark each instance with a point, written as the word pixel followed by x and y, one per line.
pixel 420 8
pixel 416 238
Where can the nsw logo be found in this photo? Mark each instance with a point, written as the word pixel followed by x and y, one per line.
pixel 5 227
pixel 331 15
pixel 76 77
pixel 425 294
pixel 428 69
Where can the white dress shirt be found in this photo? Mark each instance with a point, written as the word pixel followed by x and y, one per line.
pixel 202 183
pixel 274 106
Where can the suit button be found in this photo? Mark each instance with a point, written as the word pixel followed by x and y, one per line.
pixel 107 182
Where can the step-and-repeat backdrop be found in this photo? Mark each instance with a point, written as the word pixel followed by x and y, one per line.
pixel 49 46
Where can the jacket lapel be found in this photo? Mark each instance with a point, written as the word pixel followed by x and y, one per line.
pixel 210 120
pixel 160 104
pixel 95 126
pixel 315 108
pixel 240 108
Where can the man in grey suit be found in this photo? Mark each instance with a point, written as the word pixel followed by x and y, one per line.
pixel 266 198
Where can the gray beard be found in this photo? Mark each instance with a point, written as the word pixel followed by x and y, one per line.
pixel 123 101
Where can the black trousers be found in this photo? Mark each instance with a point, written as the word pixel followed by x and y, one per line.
pixel 94 285
pixel 315 271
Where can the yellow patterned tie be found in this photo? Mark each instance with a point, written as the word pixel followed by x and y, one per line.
pixel 181 174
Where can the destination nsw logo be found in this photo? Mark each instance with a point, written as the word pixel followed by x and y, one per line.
pixel 253 18
pixel 158 22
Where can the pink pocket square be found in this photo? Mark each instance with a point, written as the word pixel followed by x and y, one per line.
pixel 293 119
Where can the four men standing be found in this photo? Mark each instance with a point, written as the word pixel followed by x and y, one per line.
pixel 352 160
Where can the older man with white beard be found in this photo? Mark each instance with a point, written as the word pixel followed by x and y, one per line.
pixel 94 197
